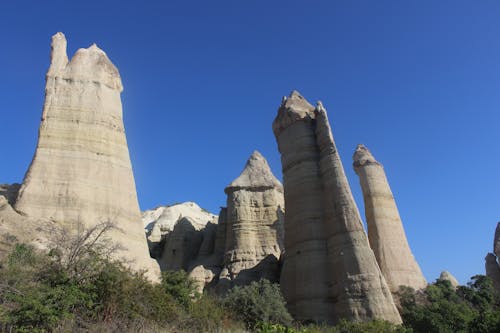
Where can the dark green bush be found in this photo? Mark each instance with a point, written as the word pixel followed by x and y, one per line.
pixel 258 302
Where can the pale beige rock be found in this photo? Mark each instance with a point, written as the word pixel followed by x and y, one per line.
pixel 81 171
pixel 254 230
pixel 385 229
pixel 447 276
pixel 329 270
pixel 493 270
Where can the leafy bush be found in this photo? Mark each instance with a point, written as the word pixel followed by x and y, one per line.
pixel 258 302
pixel 77 287
pixel 441 308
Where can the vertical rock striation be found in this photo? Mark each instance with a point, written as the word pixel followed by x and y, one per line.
pixel 329 270
pixel 254 227
pixel 81 171
pixel 385 229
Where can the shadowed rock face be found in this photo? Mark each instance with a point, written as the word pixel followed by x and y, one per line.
pixel 329 270
pixel 492 264
pixel 81 171
pixel 254 224
pixel 385 229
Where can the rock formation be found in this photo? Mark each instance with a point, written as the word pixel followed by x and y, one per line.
pixel 243 245
pixel 254 230
pixel 329 270
pixel 161 221
pixel 385 229
pixel 447 276
pixel 492 262
pixel 81 171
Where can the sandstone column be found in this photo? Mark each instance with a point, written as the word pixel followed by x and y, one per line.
pixel 254 227
pixel 385 229
pixel 329 272
pixel 81 171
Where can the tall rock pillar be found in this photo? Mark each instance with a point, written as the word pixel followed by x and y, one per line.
pixel 492 264
pixel 81 171
pixel 254 235
pixel 385 229
pixel 329 271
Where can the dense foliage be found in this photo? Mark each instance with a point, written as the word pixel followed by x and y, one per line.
pixel 77 287
pixel 474 308
pixel 259 302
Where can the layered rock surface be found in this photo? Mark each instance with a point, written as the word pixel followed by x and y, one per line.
pixel 385 229
pixel 254 229
pixel 81 171
pixel 330 271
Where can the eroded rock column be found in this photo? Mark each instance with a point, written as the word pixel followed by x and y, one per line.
pixel 254 239
pixel 385 229
pixel 81 171
pixel 329 272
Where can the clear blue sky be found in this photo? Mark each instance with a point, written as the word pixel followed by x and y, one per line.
pixel 418 82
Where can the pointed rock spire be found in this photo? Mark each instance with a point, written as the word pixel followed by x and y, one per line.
pixel 58 56
pixel 385 229
pixel 256 174
pixel 81 171
pixel 496 241
pixel 329 270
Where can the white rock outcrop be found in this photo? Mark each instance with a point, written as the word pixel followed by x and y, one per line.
pixel 385 228
pixel 81 171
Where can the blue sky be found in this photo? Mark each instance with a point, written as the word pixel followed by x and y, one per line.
pixel 418 82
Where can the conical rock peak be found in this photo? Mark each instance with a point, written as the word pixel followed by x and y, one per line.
pixel 256 174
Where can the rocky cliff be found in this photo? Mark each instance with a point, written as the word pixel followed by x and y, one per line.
pixel 81 172
pixel 329 270
pixel 385 229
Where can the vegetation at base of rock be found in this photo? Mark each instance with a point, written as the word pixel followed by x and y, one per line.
pixel 440 308
pixel 77 287
pixel 259 302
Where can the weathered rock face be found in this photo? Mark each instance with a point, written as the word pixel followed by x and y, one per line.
pixel 492 264
pixel 329 270
pixel 385 229
pixel 254 230
pixel 161 221
pixel 447 276
pixel 81 171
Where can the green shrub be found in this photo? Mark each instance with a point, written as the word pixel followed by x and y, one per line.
pixel 258 302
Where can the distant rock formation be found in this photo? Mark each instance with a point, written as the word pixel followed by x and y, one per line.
pixel 81 171
pixel 330 271
pixel 161 221
pixel 385 229
pixel 447 276
pixel 254 229
pixel 492 264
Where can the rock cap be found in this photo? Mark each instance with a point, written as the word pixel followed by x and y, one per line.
pixel 256 175
pixel 293 108
pixel 362 156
